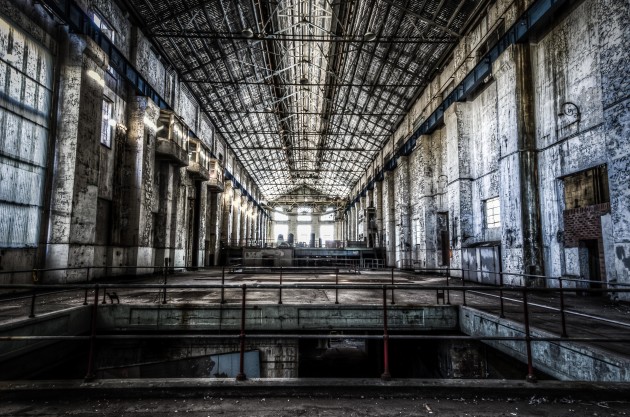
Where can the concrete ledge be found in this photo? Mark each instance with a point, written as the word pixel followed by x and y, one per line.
pixel 563 360
pixel 134 388
pixel 274 317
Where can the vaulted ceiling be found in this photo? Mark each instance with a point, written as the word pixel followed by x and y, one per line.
pixel 306 92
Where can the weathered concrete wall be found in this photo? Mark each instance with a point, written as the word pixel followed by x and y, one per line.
pixel 266 317
pixel 614 55
pixel 113 204
pixel 563 360
pixel 278 357
pixel 26 104
pixel 389 219
pixel 19 359
pixel 551 108
pixel 75 184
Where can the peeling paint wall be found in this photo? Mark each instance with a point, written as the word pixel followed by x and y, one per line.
pixel 115 203
pixel 552 108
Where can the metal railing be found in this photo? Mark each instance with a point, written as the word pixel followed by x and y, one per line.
pixel 443 293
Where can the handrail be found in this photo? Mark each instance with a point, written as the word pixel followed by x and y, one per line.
pixel 528 339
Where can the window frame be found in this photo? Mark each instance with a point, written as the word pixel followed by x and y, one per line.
pixel 492 212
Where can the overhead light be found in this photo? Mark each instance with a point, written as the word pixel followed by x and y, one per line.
pixel 303 80
pixel 369 36
pixel 304 21
pixel 247 32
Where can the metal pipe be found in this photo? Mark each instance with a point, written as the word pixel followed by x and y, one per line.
pixel 562 315
pixel 89 375
pixel 386 376
pixel 241 375
pixel 104 295
pixel 528 340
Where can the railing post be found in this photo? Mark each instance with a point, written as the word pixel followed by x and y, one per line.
pixel 32 314
pixel 280 289
pixel 85 298
pixel 166 262
pixel 87 277
pixel 562 315
pixel 393 300
pixel 502 314
pixel 463 289
pixel 89 375
pixel 104 295
pixel 528 340
pixel 448 292
pixel 337 286
pixel 223 285
pixel 241 375
pixel 386 376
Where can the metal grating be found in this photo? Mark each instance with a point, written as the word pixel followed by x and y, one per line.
pixel 297 88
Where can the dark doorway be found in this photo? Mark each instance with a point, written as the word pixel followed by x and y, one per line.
pixel 589 259
pixel 443 239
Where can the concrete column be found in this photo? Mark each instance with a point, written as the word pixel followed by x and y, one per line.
pixel 242 235
pixel 203 211
pixel 424 168
pixel 185 195
pixel 378 203
pixel 252 223
pixel 136 232
pixel 402 213
pixel 73 208
pixel 255 237
pixel 214 225
pixel 520 212
pixel 362 233
pixel 614 55
pixel 352 223
pixel 269 232
pixel 389 218
pixel 236 218
pixel 227 214
pixel 459 188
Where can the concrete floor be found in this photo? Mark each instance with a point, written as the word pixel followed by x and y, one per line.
pixel 579 308
pixel 491 399
pixel 321 398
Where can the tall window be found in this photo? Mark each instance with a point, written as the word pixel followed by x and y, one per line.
pixel 304 233
pixel 105 27
pixel 327 232
pixel 106 124
pixel 304 214
pixel 493 212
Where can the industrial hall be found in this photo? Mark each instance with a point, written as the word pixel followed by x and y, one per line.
pixel 389 199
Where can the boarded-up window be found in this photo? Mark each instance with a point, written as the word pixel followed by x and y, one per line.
pixel 25 99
